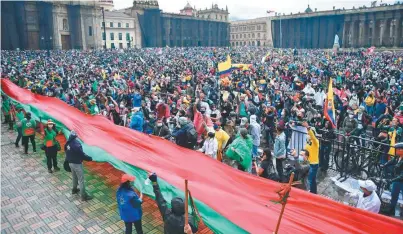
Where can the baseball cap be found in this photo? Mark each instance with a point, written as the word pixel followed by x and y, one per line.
pixel 127 177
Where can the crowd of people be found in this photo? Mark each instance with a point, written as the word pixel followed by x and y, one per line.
pixel 251 117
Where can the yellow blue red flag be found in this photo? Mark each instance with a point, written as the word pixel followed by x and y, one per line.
pixel 329 110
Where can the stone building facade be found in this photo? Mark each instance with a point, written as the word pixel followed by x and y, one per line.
pixel 50 25
pixel 254 32
pixel 154 28
pixel 214 13
pixel 379 26
pixel 120 30
pixel 78 24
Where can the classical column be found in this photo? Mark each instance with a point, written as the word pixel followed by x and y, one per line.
pixel 351 34
pixel 397 32
pixel 57 40
pixel 381 32
pixel 362 34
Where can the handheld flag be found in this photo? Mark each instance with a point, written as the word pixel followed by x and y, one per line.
pixel 329 110
pixel 224 68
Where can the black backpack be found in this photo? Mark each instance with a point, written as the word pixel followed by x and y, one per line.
pixel 191 135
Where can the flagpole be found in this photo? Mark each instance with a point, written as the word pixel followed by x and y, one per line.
pixel 186 202
pixel 283 205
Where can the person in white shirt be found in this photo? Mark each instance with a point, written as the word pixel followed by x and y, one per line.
pixel 368 200
pixel 210 146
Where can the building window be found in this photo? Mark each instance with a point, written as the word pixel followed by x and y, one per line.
pixel 221 17
pixel 112 36
pixel 258 35
pixel 65 25
pixel 120 45
pixel 237 36
pixel 119 25
pixel 111 24
pixel 120 36
pixel 128 45
pixel 127 25
pixel 236 43
pixel 249 35
pixel 244 36
pixel 90 31
pixel 113 45
pixel 127 36
pixel 258 27
pixel 253 35
pixel 103 36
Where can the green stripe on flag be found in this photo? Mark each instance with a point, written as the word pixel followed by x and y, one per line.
pixel 215 221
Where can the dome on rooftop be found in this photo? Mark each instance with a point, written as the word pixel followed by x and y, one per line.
pixel 188 6
pixel 308 10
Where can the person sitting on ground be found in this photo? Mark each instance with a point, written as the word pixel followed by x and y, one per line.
pixel 368 199
pixel 174 217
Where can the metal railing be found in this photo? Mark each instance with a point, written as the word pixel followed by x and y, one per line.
pixel 351 156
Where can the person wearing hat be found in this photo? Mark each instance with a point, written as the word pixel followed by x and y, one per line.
pixel 173 216
pixel 28 126
pixel 222 140
pixel 92 106
pixel 49 142
pixel 368 199
pixel 18 123
pixel 396 165
pixel 137 120
pixel 75 157
pixel 129 204
pixel 161 130
pixel 185 133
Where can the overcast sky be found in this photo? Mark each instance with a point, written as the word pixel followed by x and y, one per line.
pixel 249 9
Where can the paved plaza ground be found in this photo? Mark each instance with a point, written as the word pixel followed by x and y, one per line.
pixel 34 201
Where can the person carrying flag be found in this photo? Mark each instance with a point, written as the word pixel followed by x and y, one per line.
pixel 174 217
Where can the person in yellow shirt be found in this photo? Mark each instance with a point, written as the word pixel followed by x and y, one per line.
pixel 312 154
pixel 369 103
pixel 222 139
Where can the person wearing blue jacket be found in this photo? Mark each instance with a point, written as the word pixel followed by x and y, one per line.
pixel 75 157
pixel 129 204
pixel 136 99
pixel 137 120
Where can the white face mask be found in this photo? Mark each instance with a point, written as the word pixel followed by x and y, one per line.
pixel 351 116
pixel 159 124
pixel 301 158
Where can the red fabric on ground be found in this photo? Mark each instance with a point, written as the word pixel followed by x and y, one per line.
pixel 240 197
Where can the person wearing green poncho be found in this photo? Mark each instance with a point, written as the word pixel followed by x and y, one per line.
pixel 6 108
pixel 28 126
pixel 240 150
pixel 18 125
pixel 50 143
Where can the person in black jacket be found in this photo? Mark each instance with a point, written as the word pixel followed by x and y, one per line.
pixel 174 217
pixel 161 130
pixel 397 181
pixel 75 157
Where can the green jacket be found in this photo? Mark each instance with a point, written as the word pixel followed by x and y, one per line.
pixel 6 106
pixel 28 127
pixel 20 116
pixel 49 139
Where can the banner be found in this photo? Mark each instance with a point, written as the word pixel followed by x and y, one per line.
pixel 229 200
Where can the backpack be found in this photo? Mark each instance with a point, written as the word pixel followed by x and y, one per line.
pixel 191 135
